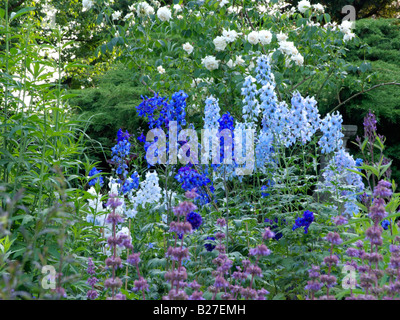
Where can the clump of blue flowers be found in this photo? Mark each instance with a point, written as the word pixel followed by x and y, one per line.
pixel 226 121
pixel 131 183
pixel 251 106
pixel 98 180
pixel 211 113
pixel 174 110
pixel 305 221
pixel 122 135
pixel 264 188
pixel 194 219
pixel 209 246
pixel 120 153
pixel 385 224
pixel 192 179
pixel 149 106
pixel 159 112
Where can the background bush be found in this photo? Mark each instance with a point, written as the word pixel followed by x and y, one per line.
pixel 382 37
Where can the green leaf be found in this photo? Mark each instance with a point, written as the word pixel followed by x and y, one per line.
pixel 384 169
pixel 157 263
pixel 99 19
pixel 187 33
pixel 393 215
pixel 353 240
pixel 279 296
pixel 327 18
pixel 237 223
pixel 22 12
pixel 357 172
pixel 147 227
pixel 380 145
pixel 364 144
pixel 140 28
pixel 103 49
pixel 370 169
pixel 76 65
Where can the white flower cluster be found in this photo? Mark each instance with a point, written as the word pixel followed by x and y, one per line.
pixel 128 16
pixel 220 43
pixel 238 62
pixel 160 69
pixel 116 15
pixel 319 8
pixel 114 186
pixel 210 63
pixel 228 36
pixel 223 2
pixel 233 9
pixel 263 37
pixel 305 5
pixel 143 9
pixel 96 203
pixel 87 4
pixel 262 8
pixel 150 191
pixel 289 49
pixel 187 47
pixel 177 8
pixel 164 14
pixel 346 27
pixel 279 8
pixel 330 25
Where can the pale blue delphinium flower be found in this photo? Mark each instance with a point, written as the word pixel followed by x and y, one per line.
pixel 251 107
pixel 331 127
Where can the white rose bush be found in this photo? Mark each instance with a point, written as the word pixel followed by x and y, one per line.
pixel 299 39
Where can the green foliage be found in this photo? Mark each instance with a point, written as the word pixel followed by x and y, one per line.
pixel 383 38
pixel 41 148
pixel 110 105
pixel 47 148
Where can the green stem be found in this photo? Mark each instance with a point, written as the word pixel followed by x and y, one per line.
pixel 6 93
pixel 227 211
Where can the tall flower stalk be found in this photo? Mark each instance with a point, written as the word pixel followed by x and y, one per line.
pixel 114 262
pixel 141 283
pixel 92 280
pixel 176 276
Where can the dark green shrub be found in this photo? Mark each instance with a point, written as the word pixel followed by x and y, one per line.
pixel 111 105
pixel 383 39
